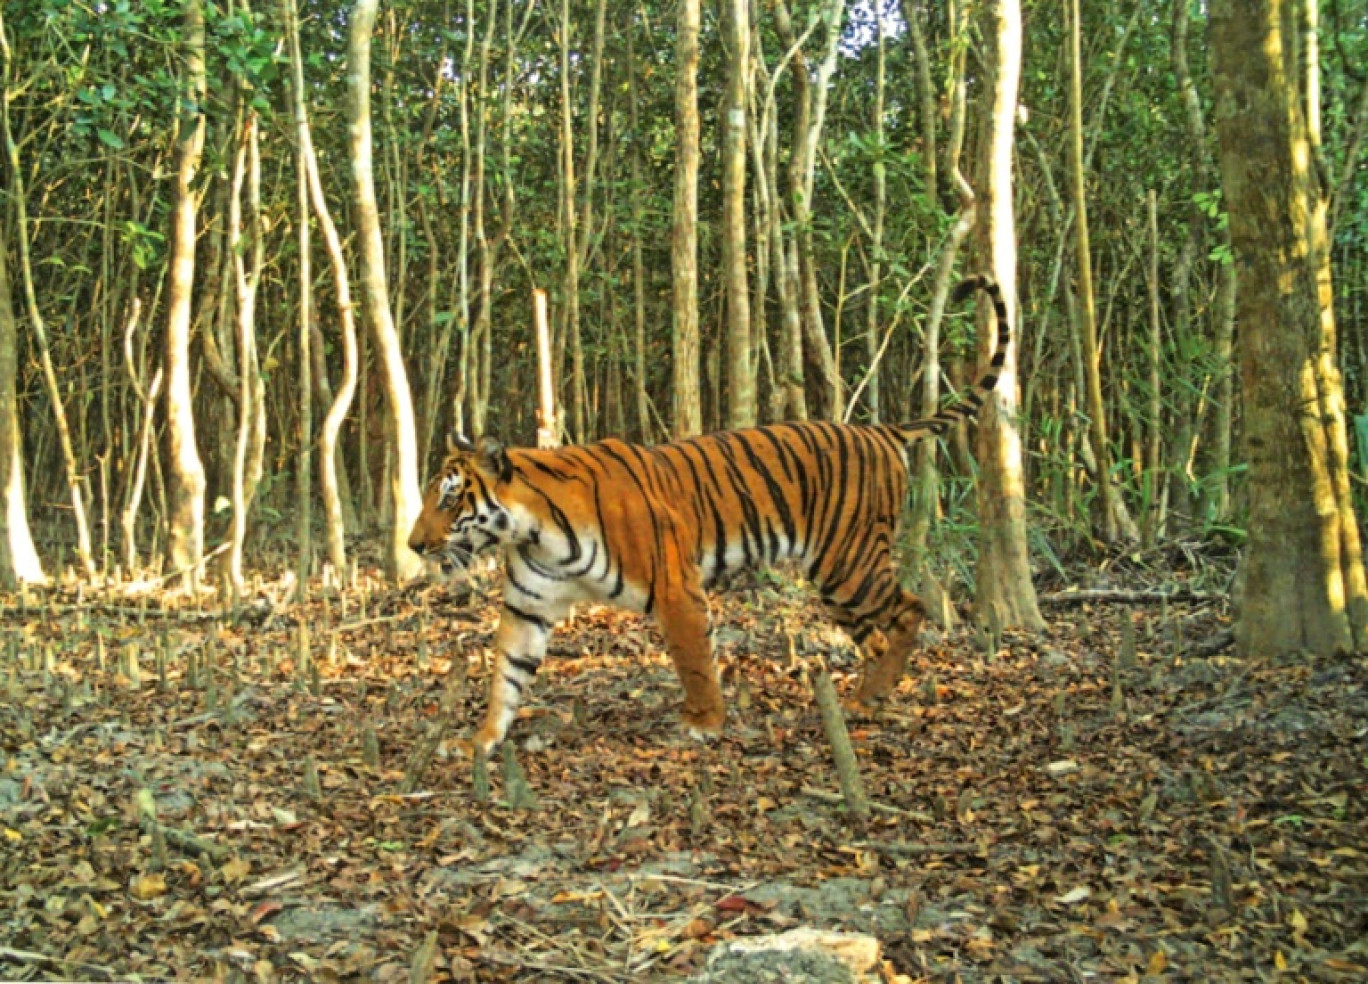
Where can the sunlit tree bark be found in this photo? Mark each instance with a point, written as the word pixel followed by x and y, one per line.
pixel 401 562
pixel 18 557
pixel 740 377
pixel 1304 587
pixel 1004 569
pixel 688 402
pixel 185 471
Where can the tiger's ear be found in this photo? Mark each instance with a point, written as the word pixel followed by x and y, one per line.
pixel 493 458
pixel 456 441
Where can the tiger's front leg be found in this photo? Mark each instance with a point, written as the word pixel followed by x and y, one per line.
pixel 520 644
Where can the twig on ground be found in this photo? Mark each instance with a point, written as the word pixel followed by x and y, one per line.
pixel 902 849
pixel 1081 596
pixel 43 960
pixel 897 811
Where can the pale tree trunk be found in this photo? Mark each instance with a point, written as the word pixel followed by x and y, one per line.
pixel 18 558
pixel 571 334
pixel 643 409
pixel 688 402
pixel 740 376
pixel 185 472
pixel 1004 569
pixel 73 476
pixel 1116 522
pixel 401 562
pixel 250 398
pixel 485 252
pixel 546 389
pixel 330 469
pixel 304 480
pixel 1304 587
pixel 787 398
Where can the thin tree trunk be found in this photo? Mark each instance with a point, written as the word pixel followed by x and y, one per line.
pixel 688 406
pixel 740 375
pixel 546 389
pixel 571 336
pixel 484 252
pixel 1004 570
pixel 402 563
pixel 643 412
pixel 329 465
pixel 1224 396
pixel 18 557
pixel 1154 444
pixel 248 167
pixel 1115 525
pixel 876 240
pixel 926 95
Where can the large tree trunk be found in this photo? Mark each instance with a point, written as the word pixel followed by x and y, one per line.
pixel 740 376
pixel 1004 569
pixel 185 471
pixel 688 402
pixel 1304 587
pixel 18 557
pixel 401 562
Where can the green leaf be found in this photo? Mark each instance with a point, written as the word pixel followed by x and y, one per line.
pixel 109 138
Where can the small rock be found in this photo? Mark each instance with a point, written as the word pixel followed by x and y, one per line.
pixel 805 954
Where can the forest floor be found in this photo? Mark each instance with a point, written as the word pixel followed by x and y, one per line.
pixel 1032 823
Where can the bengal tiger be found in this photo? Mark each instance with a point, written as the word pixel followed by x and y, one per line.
pixel 650 529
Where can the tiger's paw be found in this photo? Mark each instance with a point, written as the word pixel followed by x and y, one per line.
pixel 486 739
pixel 704 725
pixel 862 707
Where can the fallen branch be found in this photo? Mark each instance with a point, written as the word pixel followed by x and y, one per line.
pixel 1081 597
pixel 897 811
pixel 901 849
pixel 847 770
pixel 42 959
pixel 189 843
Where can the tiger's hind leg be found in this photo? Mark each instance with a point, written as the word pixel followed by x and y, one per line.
pixel 687 626
pixel 883 619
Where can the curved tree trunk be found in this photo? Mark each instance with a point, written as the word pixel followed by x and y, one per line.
pixel 401 562
pixel 329 465
pixel 1004 570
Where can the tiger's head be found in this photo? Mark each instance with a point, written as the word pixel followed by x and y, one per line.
pixel 462 516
